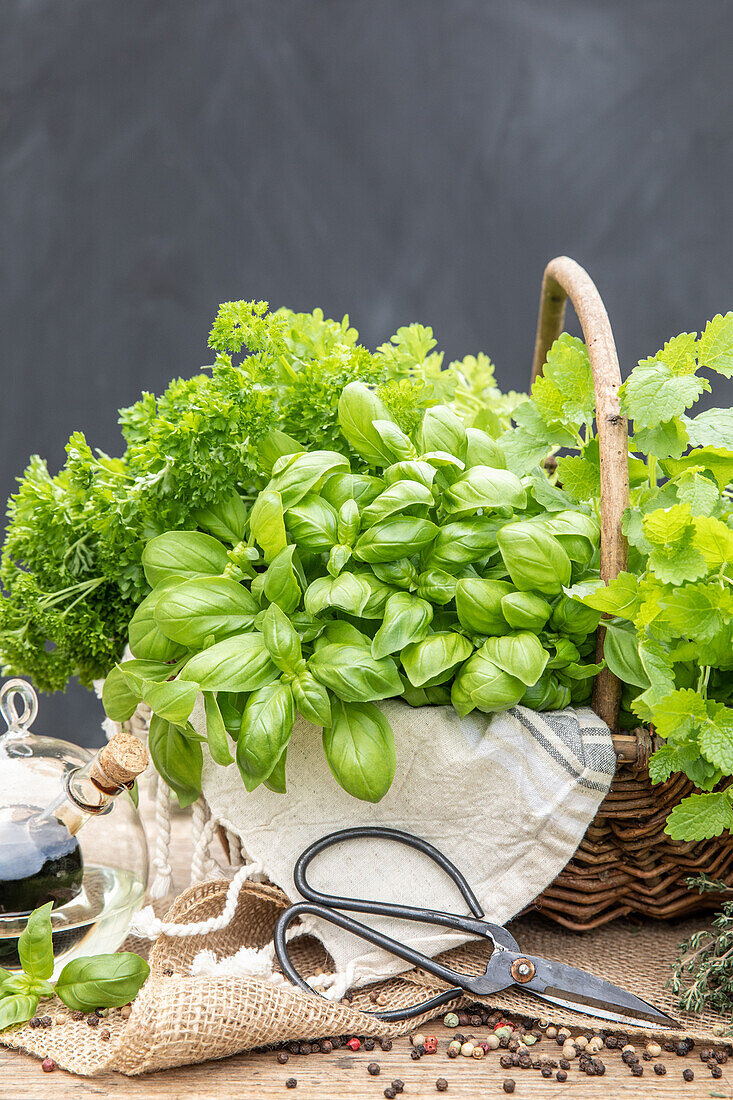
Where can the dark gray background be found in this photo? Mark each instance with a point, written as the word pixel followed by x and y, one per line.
pixel 398 160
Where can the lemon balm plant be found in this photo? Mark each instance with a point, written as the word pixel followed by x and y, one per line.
pixel 431 573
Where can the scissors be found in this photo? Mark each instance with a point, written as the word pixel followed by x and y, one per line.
pixel 507 967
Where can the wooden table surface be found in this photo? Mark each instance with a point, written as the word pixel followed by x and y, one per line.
pixel 343 1074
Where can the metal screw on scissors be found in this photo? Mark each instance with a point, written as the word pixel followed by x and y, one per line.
pixel 555 982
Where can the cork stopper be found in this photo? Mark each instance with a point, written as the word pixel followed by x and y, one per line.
pixel 120 762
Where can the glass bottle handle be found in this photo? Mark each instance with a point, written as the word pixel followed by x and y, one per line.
pixel 9 692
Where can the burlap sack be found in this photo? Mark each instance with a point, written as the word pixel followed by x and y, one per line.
pixel 178 1019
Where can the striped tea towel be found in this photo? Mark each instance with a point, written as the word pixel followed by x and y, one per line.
pixel 507 797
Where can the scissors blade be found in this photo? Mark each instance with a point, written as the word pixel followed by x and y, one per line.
pixel 577 989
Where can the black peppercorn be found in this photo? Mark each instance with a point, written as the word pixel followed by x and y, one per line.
pixel 670 1046
pixel 35 1022
pixel 688 1075
pixel 561 1075
pixel 682 1050
pixel 638 1070
pixel 647 1056
pixel 463 1019
pixel 475 1021
pixel 305 1048
pixel 505 1061
pixel 716 1071
pixel 509 1085
pixel 504 1042
pixel 368 1044
pixel 326 1046
pixel 282 1057
pixel 546 1071
pixel 721 1056
pixel 398 1086
pixel 415 1054
pixel 441 1084
pixel 294 1047
pixel 453 1052
pixel 610 1042
pixel 622 1040
pixel 525 1061
pixel 706 1053
pixel 373 1069
pixel 600 1068
pixel 316 1048
pixel 385 1044
pixel 420 1049
pixel 390 1093
pixel 659 1069
pixel 291 1083
pixel 93 1021
pixel 564 1064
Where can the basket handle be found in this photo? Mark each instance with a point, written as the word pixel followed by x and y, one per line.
pixel 564 279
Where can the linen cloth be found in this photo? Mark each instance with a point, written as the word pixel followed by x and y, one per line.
pixel 506 797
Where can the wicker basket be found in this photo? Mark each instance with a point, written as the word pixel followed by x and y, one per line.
pixel 626 863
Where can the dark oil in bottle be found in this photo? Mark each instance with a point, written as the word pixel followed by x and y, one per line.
pixel 37 864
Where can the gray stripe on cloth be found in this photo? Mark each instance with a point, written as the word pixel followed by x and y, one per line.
pixel 565 735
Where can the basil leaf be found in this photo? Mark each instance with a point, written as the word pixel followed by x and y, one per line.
pixel 203 608
pixel 339 632
pixel 348 592
pixel 182 555
pixel 276 445
pixel 379 594
pixel 397 443
pixel 312 524
pixel 267 523
pixel 482 684
pixel 338 559
pixel 177 758
pixel 348 522
pixel 534 559
pixel 571 617
pixel 353 674
pixel 442 430
pixel 118 698
pixel 341 488
pixel 395 538
pixel 224 520
pixel 360 750
pixel 520 654
pixel 275 781
pixel 482 450
pixel 397 498
pixel 147 640
pixel 621 650
pixel 479 605
pixel 16 1009
pixel 401 573
pixel 436 586
pixel 172 700
pixel 267 724
pixel 462 542
pixel 281 585
pixel 406 619
pixel 434 660
pixel 35 944
pixel 282 641
pixel 484 487
pixel 296 475
pixel 418 470
pixel 525 610
pixel 236 664
pixel 101 981
pixel 312 699
pixel 357 411
pixel 216 734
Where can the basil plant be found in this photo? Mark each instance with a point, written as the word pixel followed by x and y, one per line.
pixel 437 577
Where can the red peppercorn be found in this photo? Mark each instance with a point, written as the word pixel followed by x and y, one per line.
pixel 430 1044
pixel 48 1065
pixel 353 1043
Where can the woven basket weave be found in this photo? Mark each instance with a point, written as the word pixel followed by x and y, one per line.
pixel 626 863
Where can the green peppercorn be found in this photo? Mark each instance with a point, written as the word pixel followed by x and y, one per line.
pixel 450 1020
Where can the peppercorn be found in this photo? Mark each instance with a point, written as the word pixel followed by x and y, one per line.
pixel 682 1050
pixel 48 1065
pixel 282 1057
pixel 326 1046
pixel 670 1046
pixel 368 1044
pixel 551 1032
pixel 291 1083
pixel 610 1042
pixel 373 1069
pixel 561 1075
pixel 478 1051
pixel 525 1061
pixel 504 1042
pixel 34 1022
pixel 390 1093
pixel 492 1042
pixel 509 1085
pixel 530 1040
pixel 415 1054
pixel 441 1084
pixel 660 1070
pixel 716 1071
pixel 505 1061
pixel 385 1045
pixel 93 1020
pixel 721 1056
pixel 430 1044
pixel 353 1043
pixel 706 1053
pixel 688 1074
pixel 564 1064
pixel 467 1050
pixel 398 1085
pixel 637 1069
pixel 305 1048
pixel 463 1019
pixel 546 1071
pixel 417 1039
pixel 513 1045
pixel 450 1019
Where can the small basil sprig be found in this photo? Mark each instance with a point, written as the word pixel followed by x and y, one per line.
pixel 96 981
